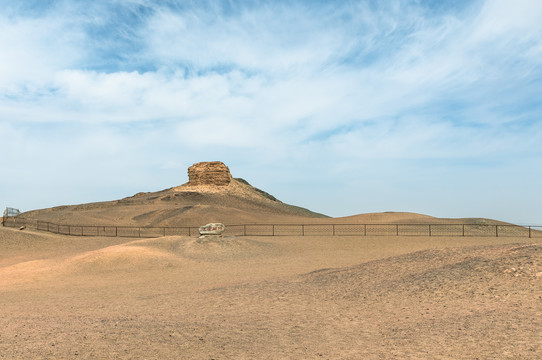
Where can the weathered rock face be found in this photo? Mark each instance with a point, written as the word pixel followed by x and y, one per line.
pixel 209 173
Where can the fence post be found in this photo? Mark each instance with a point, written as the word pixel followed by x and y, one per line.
pixel 364 229
pixel 303 230
pixel 273 231
pixel 164 231
pixel 245 230
pixel 397 229
pixel 496 230
pixel 116 231
pixel 529 232
pixel 463 230
pixel 333 229
pixel 430 232
pixel 139 232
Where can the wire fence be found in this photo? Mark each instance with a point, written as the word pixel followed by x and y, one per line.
pixel 11 212
pixel 465 230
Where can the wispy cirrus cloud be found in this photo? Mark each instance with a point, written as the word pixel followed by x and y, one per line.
pixel 281 85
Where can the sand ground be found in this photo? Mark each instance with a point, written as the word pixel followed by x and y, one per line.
pixel 375 297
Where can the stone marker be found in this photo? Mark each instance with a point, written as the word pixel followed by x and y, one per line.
pixel 212 229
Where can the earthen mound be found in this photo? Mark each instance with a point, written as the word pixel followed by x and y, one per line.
pixel 224 248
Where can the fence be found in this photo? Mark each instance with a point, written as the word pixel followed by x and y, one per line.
pixel 9 212
pixel 464 230
pixel 385 230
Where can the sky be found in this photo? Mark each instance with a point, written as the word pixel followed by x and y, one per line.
pixel 342 107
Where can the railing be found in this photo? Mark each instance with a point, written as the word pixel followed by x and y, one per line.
pixel 464 230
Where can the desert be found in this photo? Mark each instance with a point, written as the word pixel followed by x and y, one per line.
pixel 271 179
pixel 263 297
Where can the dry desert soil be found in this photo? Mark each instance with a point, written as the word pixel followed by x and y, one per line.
pixel 319 297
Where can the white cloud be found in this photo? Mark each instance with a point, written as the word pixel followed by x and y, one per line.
pixel 34 48
pixel 295 84
pixel 499 20
pixel 271 38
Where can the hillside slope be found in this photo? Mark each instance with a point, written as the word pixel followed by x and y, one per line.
pixel 195 203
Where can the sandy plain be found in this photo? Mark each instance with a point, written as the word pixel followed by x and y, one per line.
pixel 314 297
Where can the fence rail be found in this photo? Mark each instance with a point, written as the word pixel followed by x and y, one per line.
pixel 464 230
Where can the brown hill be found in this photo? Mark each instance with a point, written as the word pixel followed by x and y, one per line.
pixel 391 217
pixel 211 195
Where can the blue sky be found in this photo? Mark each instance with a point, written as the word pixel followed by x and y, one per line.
pixel 344 107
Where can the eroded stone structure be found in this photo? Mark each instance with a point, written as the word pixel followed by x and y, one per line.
pixel 209 173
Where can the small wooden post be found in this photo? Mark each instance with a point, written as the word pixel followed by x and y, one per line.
pixel 430 231
pixel 529 232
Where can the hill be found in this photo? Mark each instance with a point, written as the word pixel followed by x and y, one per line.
pixel 210 195
pixel 391 217
pixel 213 195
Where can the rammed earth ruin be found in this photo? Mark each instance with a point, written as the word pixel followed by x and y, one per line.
pixel 209 173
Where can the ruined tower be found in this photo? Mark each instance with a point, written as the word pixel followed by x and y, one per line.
pixel 209 173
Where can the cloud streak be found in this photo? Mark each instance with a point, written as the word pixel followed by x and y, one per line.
pixel 273 88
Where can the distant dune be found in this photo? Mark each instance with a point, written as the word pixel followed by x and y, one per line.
pixel 410 218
